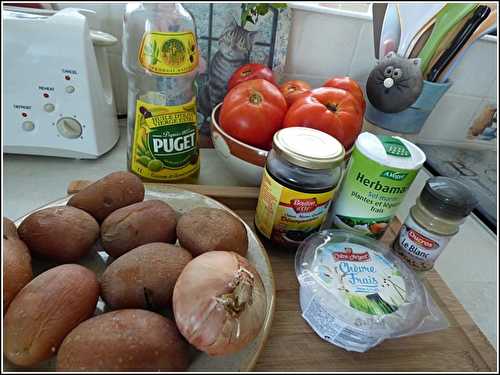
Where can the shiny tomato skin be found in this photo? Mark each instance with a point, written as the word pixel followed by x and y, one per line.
pixel 294 89
pixel 248 72
pixel 252 112
pixel 348 84
pixel 333 111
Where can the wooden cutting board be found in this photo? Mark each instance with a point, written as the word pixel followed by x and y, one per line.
pixel 293 346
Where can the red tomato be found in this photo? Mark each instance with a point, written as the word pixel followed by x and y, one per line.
pixel 333 111
pixel 292 90
pixel 348 84
pixel 252 112
pixel 248 72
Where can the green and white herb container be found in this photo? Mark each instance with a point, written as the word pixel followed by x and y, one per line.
pixel 380 171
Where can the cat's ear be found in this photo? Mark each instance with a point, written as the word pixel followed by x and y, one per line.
pixel 416 62
pixel 233 23
pixel 390 55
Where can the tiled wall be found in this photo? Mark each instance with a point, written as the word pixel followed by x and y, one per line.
pixel 322 45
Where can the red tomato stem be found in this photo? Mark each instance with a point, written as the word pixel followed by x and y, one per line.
pixel 255 98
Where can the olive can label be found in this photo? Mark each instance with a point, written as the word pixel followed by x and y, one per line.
pixel 287 216
pixel 370 195
pixel 169 54
pixel 166 141
pixel 419 247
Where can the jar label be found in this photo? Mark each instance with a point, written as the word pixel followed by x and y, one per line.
pixel 288 216
pixel 361 278
pixel 165 143
pixel 169 54
pixel 419 247
pixel 370 195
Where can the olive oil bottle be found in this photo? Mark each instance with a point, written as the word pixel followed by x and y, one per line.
pixel 160 56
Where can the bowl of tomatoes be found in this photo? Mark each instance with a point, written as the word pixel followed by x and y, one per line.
pixel 244 161
pixel 256 107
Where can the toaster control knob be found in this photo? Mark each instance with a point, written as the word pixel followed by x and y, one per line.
pixel 69 127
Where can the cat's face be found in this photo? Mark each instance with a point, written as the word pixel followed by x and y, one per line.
pixel 235 42
pixel 394 84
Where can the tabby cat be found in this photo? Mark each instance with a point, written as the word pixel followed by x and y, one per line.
pixel 235 46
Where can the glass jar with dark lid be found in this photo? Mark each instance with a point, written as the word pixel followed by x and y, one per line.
pixel 302 172
pixel 441 208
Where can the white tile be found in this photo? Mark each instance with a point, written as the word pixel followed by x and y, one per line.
pixel 493 91
pixel 114 24
pixel 364 58
pixel 475 72
pixel 119 82
pixel 451 118
pixel 321 44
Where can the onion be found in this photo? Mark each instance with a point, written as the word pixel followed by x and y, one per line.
pixel 219 302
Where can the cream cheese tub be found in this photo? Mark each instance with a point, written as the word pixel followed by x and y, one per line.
pixel 355 293
pixel 379 174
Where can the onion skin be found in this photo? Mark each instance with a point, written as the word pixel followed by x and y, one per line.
pixel 219 302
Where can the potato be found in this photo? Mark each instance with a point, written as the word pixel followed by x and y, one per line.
pixel 126 340
pixel 17 270
pixel 206 229
pixel 116 190
pixel 46 310
pixel 9 228
pixel 144 277
pixel 136 225
pixel 61 233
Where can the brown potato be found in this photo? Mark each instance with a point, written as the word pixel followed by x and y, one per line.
pixel 114 191
pixel 136 225
pixel 9 229
pixel 126 340
pixel 17 270
pixel 61 233
pixel 211 229
pixel 144 277
pixel 46 310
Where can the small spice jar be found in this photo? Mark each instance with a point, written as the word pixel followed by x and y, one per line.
pixel 302 172
pixel 442 207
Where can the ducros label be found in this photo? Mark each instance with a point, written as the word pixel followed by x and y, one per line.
pixel 165 145
pixel 288 216
pixel 419 247
pixel 169 54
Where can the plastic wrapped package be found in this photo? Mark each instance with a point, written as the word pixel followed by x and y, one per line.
pixel 355 293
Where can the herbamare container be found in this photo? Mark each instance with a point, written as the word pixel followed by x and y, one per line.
pixel 378 176
pixel 355 293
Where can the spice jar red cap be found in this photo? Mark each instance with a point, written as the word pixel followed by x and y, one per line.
pixel 448 197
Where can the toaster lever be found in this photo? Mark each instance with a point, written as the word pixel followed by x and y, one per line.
pixel 100 38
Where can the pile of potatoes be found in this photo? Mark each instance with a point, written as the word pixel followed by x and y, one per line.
pixel 53 313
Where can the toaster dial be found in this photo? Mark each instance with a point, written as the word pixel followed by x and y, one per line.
pixel 69 127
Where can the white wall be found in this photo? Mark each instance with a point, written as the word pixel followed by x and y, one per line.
pixel 322 45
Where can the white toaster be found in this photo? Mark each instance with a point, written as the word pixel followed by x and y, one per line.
pixel 57 94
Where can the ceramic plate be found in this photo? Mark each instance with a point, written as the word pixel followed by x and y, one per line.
pixel 182 201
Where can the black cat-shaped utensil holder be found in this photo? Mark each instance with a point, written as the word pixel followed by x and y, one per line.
pixel 394 84
pixel 399 99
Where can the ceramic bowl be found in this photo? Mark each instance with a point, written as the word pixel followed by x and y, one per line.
pixel 245 162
